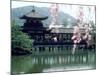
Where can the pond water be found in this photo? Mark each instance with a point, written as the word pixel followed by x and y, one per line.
pixel 52 63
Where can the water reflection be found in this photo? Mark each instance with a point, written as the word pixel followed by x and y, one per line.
pixel 47 63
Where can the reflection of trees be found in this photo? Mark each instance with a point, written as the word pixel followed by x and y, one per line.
pixel 37 66
pixel 20 64
pixel 39 63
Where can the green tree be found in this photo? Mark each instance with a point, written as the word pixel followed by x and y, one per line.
pixel 20 39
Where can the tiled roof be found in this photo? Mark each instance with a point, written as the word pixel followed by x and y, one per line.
pixel 34 15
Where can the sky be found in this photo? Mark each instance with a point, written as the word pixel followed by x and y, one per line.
pixel 69 9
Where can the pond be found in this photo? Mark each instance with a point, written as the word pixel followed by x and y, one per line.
pixel 51 63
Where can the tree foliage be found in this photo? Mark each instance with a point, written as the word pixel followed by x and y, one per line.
pixel 18 38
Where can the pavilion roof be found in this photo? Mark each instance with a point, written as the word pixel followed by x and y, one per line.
pixel 34 15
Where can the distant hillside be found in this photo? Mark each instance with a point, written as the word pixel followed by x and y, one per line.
pixel 63 17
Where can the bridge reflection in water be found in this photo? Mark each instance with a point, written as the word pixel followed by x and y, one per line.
pixel 51 63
